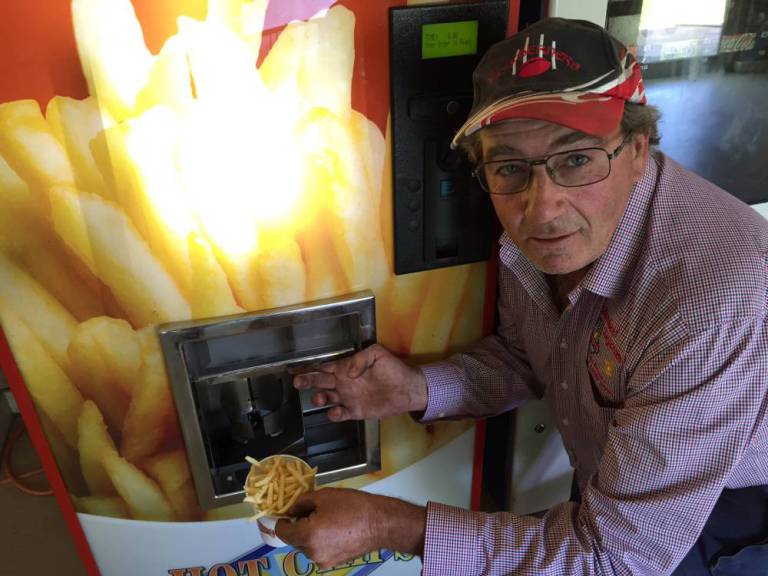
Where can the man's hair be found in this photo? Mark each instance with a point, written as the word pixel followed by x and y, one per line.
pixel 637 119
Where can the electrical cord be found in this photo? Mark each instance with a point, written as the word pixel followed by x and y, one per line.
pixel 13 479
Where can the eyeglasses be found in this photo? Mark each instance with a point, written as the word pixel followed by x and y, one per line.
pixel 570 169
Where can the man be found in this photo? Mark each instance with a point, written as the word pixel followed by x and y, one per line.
pixel 632 297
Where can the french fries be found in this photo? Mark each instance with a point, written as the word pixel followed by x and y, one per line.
pixel 115 61
pixel 106 360
pixel 31 149
pixel 51 389
pixel 143 497
pixel 75 123
pixel 171 471
pixel 275 483
pixel 151 409
pixel 93 444
pixel 51 323
pixel 103 237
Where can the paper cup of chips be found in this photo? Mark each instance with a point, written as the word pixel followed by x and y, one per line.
pixel 272 487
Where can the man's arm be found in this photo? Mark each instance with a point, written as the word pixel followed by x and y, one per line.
pixel 493 377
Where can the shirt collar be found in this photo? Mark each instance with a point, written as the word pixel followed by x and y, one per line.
pixel 609 272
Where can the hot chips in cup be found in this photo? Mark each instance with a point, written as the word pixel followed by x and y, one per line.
pixel 275 483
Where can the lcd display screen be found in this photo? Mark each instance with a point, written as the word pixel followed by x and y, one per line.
pixel 448 39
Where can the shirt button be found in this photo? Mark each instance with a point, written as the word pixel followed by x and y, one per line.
pixel 441 415
pixel 563 344
pixel 565 421
pixel 564 385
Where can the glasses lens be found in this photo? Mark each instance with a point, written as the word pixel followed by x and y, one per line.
pixel 579 167
pixel 504 177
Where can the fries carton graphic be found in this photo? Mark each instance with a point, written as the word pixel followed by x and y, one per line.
pixel 225 170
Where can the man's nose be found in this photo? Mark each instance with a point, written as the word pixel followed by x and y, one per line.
pixel 544 200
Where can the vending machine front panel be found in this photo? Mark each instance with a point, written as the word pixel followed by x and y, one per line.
pixel 232 381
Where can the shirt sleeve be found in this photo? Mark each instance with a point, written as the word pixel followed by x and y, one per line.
pixel 493 377
pixel 693 408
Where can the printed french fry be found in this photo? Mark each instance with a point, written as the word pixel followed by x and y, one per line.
pixel 113 507
pixel 66 456
pixel 371 145
pixel 94 442
pixel 437 313
pixel 31 149
pixel 328 55
pixel 151 410
pixel 103 237
pixel 51 389
pixel 50 322
pixel 281 67
pixel 106 360
pixel 75 123
pixel 142 495
pixel 468 325
pixel 252 14
pixel 171 471
pixel 279 271
pixel 244 17
pixel 209 293
pixel 113 55
pixel 208 46
pixel 324 275
pixel 168 82
pixel 400 303
pixel 348 213
pixel 40 253
pixel 15 193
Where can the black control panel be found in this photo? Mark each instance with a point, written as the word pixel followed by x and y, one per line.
pixel 442 216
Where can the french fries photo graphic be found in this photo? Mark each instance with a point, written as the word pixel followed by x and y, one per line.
pixel 196 182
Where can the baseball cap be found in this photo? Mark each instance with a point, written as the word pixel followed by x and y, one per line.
pixel 569 72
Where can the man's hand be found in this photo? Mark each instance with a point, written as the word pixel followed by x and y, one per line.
pixel 371 384
pixel 336 525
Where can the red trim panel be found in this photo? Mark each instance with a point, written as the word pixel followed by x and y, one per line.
pixel 513 24
pixel 39 441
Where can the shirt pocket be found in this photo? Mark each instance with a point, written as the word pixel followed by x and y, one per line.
pixel 605 367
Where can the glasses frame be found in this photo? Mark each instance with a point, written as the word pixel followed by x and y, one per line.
pixel 531 162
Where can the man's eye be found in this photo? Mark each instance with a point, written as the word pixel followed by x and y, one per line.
pixel 576 160
pixel 509 169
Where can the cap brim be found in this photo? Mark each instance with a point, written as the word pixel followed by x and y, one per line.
pixel 592 114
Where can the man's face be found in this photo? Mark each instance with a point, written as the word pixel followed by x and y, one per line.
pixel 562 230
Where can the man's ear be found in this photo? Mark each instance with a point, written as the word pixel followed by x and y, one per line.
pixel 640 150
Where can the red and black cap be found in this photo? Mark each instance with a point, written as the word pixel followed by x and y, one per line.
pixel 569 72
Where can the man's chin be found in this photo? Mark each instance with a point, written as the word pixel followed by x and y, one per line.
pixel 558 265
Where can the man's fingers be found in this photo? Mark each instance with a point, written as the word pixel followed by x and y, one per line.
pixel 360 362
pixel 293 533
pixel 319 380
pixel 324 398
pixel 339 414
pixel 304 506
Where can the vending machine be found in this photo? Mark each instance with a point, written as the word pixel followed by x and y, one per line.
pixel 197 198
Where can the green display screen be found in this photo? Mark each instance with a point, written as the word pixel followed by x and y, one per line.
pixel 448 39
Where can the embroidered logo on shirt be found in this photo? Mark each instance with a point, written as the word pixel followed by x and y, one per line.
pixel 604 357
